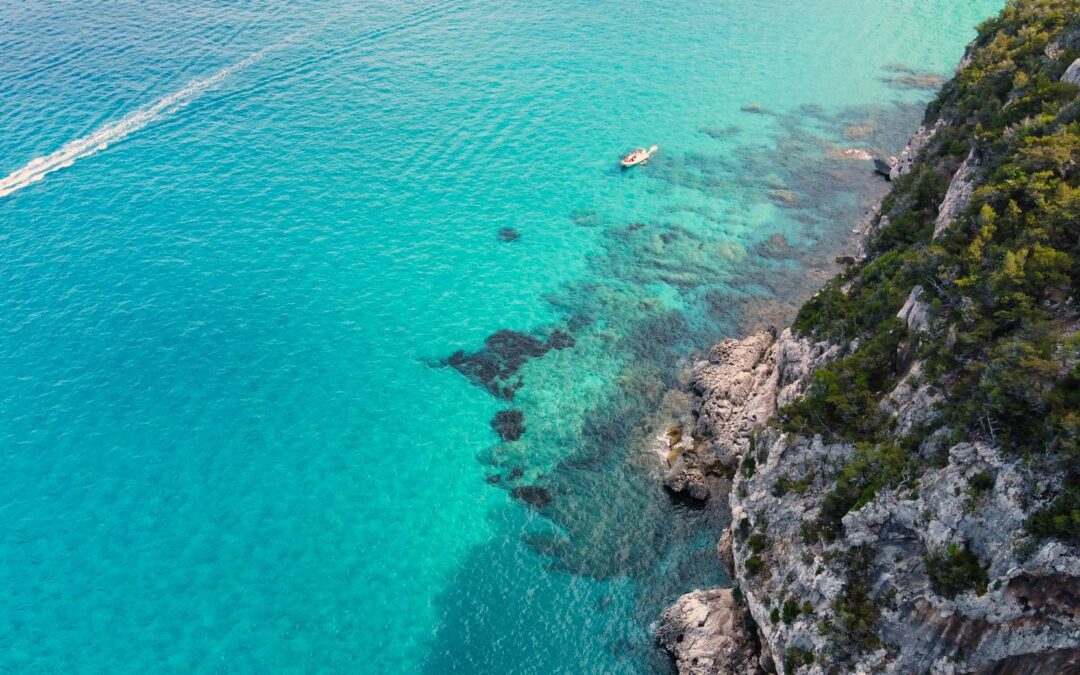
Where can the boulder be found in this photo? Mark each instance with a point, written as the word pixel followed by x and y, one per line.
pixel 708 633
pixel 883 168
pixel 1072 73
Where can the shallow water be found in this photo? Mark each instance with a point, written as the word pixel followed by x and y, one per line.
pixel 229 436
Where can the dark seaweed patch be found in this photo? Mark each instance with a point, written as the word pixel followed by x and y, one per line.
pixel 495 366
pixel 533 495
pixel 586 218
pixel 560 339
pixel 776 246
pixel 720 132
pixel 509 424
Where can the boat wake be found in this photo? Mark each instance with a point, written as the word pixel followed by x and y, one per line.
pixel 138 119
pixel 101 138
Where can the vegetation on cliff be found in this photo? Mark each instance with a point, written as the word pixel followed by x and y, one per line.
pixel 1000 280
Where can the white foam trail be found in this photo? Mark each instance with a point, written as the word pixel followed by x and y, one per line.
pixel 140 118
pixel 114 132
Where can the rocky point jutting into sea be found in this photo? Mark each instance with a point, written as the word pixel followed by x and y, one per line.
pixel 903 460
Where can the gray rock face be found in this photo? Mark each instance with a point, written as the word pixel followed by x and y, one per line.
pixel 911 402
pixel 958 196
pixel 906 160
pixel 914 313
pixel 1072 73
pixel 738 389
pixel 708 633
pixel 959 494
pixel 1024 620
pixel 687 476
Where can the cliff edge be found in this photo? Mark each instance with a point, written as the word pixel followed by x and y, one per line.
pixel 906 457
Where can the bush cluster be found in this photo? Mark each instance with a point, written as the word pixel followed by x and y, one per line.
pixel 1001 281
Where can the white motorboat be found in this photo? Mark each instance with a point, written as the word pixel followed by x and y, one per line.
pixel 639 156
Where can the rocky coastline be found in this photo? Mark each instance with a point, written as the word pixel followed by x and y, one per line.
pixel 936 571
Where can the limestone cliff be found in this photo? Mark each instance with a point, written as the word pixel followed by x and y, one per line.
pixel 904 459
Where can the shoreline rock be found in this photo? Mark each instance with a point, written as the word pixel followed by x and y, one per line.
pixel 880 592
pixel 709 633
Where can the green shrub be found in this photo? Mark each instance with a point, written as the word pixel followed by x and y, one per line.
pixel 980 483
pixel 743 530
pixel 855 609
pixel 749 465
pixel 842 399
pixel 795 658
pixel 783 485
pixel 790 610
pixel 1061 518
pixel 955 570
pixel 756 543
pixel 872 468
pixel 754 565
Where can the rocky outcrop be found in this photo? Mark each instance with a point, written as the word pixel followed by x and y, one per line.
pixel 959 194
pixel 915 312
pixel 737 389
pixel 964 503
pixel 906 159
pixel 795 588
pixel 903 519
pixel 1072 73
pixel 709 633
pixel 888 548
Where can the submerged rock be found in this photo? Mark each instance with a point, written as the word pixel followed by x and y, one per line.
pixel 918 81
pixel 533 495
pixel 720 132
pixel 776 246
pixel 560 339
pixel 857 154
pixel 495 366
pixel 509 424
pixel 586 218
pixel 783 197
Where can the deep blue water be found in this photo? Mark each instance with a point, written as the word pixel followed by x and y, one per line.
pixel 228 437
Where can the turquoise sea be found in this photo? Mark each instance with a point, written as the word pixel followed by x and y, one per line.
pixel 280 266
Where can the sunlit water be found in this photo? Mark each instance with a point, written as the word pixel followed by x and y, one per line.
pixel 255 237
